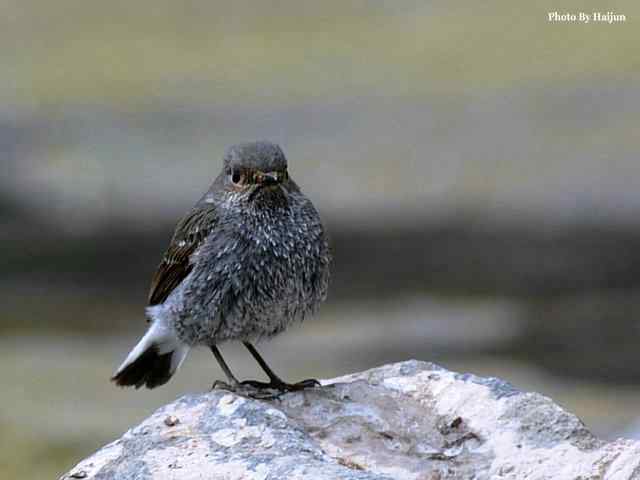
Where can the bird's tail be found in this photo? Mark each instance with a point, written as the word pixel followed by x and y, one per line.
pixel 154 359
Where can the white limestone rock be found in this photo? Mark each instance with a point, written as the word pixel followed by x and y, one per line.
pixel 411 420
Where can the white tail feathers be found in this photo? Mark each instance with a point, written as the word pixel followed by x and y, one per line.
pixel 154 360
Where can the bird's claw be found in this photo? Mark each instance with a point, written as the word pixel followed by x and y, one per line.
pixel 247 390
pixel 283 387
pixel 263 390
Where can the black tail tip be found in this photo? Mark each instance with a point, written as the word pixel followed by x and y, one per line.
pixel 151 369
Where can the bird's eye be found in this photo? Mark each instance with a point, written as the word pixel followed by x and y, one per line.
pixel 237 177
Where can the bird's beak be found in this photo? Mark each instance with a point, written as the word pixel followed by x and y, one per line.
pixel 270 178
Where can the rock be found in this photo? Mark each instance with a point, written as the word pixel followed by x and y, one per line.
pixel 410 420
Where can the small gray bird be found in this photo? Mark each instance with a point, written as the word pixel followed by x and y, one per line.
pixel 247 261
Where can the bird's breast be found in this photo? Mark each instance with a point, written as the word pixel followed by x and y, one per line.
pixel 256 274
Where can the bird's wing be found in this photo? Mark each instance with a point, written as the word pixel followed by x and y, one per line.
pixel 176 263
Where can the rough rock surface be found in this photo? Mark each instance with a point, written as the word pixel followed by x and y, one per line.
pixel 410 420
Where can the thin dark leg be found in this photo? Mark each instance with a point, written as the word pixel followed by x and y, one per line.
pixel 225 368
pixel 275 382
pixel 267 369
pixel 249 388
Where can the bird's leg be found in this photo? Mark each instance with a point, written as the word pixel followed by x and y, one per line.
pixel 233 385
pixel 233 381
pixel 275 382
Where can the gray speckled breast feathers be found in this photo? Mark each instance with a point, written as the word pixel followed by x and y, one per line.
pixel 263 266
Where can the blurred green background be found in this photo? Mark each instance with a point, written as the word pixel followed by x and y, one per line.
pixel 477 166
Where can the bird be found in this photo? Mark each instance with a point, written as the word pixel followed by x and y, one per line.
pixel 250 259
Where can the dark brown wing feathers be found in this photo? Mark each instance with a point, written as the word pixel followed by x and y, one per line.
pixel 176 264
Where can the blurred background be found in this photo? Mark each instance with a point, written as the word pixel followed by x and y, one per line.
pixel 478 169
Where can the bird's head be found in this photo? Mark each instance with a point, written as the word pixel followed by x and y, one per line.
pixel 256 170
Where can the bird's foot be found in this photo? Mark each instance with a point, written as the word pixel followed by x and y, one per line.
pixel 283 387
pixel 246 389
